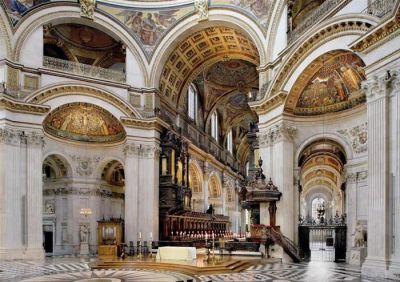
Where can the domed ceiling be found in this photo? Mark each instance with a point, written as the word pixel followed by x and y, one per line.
pixel 84 122
pixel 330 83
pixel 233 73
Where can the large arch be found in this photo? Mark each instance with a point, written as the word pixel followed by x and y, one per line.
pixel 335 33
pixel 67 12
pixel 190 25
pixel 59 94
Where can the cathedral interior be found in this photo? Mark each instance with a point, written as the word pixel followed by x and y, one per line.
pixel 199 140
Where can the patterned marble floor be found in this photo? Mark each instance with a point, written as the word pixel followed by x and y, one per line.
pixel 75 269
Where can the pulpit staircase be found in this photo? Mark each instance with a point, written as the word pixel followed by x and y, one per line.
pixel 288 245
pixel 264 233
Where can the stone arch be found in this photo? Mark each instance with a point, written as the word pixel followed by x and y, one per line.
pixel 324 136
pixel 60 163
pixel 5 36
pixel 104 162
pixel 67 12
pixel 195 177
pixel 217 18
pixel 214 186
pixel 336 33
pixel 57 95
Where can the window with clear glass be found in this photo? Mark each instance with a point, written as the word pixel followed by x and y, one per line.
pixel 229 143
pixel 192 102
pixel 214 125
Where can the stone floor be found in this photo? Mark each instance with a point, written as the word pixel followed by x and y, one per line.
pixel 75 269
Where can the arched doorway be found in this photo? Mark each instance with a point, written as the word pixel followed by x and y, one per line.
pixel 322 233
pixel 56 177
pixel 195 183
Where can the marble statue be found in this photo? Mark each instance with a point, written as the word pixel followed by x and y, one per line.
pixel 359 236
pixel 84 231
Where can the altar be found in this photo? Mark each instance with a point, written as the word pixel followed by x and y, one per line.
pixel 176 253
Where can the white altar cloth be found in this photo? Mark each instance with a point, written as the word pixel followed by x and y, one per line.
pixel 176 253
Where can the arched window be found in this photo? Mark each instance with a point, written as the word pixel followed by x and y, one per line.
pixel 214 126
pixel 229 141
pixel 192 102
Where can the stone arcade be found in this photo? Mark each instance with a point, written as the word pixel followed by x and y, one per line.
pixel 131 125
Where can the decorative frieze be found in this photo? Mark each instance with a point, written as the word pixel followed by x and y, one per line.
pixel 357 137
pixel 16 137
pixel 142 151
pixel 82 192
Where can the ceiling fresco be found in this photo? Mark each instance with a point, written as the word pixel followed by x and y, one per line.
pixel 84 122
pixel 331 83
pixel 149 24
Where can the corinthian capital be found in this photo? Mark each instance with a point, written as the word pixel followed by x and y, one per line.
pixel 34 139
pixel 141 151
pixel 282 131
pixel 9 136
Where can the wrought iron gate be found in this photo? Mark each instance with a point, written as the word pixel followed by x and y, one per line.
pixel 322 242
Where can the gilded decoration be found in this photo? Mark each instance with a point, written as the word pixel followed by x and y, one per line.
pixel 201 7
pixel 330 83
pixel 204 46
pixel 84 122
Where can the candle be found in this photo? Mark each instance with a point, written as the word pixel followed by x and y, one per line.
pixel 140 235
pixel 151 235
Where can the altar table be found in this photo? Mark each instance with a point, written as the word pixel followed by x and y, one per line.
pixel 176 253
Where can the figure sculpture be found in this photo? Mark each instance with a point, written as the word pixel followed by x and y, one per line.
pixel 84 234
pixel 359 236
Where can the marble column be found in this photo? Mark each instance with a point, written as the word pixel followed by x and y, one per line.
pixel 131 151
pixel 11 197
pixel 148 198
pixel 34 195
pixel 394 267
pixel 282 171
pixel 377 91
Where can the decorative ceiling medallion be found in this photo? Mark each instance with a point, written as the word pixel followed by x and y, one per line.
pixel 84 122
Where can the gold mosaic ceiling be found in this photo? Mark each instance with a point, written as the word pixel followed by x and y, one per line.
pixel 331 83
pixel 84 122
pixel 200 50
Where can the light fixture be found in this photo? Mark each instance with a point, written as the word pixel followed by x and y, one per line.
pixel 85 212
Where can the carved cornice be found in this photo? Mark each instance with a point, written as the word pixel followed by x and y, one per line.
pixel 379 35
pixel 154 123
pixel 137 150
pixel 271 103
pixel 21 107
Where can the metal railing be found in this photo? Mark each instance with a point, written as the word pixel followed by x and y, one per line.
pixel 315 16
pixel 380 8
pixel 83 69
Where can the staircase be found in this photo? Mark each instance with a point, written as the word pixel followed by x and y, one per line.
pixel 288 245
pixel 265 233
